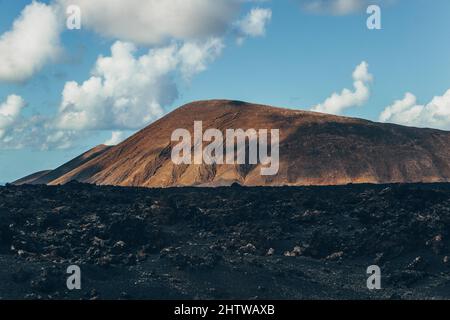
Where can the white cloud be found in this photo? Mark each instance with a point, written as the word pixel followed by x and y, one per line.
pixel 253 24
pixel 128 92
pixel 361 73
pixel 38 133
pixel 435 114
pixel 194 57
pixel 32 41
pixel 154 21
pixel 338 102
pixel 401 108
pixel 116 138
pixel 9 113
pixel 55 139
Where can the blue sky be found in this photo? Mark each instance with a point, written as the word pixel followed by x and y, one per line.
pixel 294 58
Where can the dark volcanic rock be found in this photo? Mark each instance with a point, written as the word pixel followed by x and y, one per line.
pixel 294 243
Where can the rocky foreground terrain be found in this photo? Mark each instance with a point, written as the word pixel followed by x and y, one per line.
pixel 225 243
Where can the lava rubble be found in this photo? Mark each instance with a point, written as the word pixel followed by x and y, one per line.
pixel 225 243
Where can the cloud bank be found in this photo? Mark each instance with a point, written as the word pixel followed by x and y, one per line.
pixel 435 114
pixel 9 113
pixel 32 42
pixel 253 24
pixel 150 22
pixel 338 102
pixel 128 92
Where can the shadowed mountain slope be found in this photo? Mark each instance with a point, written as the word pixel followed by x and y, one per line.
pixel 45 177
pixel 32 178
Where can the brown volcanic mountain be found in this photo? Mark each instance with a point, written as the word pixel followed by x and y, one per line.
pixel 47 176
pixel 315 149
pixel 33 178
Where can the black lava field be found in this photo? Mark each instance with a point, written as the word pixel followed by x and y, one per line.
pixel 225 243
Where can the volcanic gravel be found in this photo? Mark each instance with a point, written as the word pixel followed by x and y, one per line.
pixel 225 243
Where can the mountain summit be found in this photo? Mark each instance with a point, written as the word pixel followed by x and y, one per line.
pixel 314 149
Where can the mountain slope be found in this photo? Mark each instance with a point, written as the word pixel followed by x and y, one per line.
pixel 45 177
pixel 315 149
pixel 32 178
